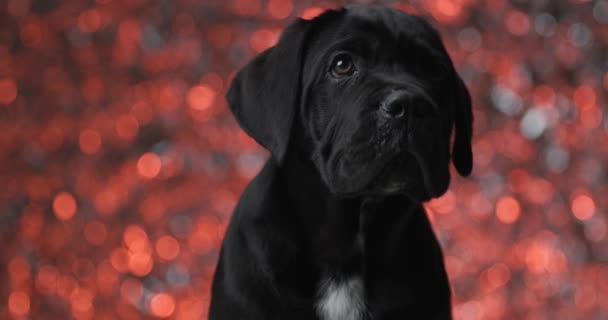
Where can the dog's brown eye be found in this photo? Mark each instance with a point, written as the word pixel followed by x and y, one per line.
pixel 342 66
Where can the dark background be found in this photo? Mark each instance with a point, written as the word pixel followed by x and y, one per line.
pixel 120 163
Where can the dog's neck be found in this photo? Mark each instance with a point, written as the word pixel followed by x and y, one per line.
pixel 335 226
pixel 306 188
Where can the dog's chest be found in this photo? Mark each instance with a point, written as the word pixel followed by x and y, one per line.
pixel 342 296
pixel 341 299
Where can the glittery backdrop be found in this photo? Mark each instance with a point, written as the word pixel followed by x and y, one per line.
pixel 120 164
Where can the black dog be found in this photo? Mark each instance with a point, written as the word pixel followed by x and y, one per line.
pixel 357 108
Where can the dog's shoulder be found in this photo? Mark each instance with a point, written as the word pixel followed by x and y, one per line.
pixel 258 196
pixel 261 213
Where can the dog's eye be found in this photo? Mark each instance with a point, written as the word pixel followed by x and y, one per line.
pixel 342 66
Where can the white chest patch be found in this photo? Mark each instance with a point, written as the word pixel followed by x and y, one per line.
pixel 341 300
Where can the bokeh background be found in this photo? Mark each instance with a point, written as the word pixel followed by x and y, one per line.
pixel 120 163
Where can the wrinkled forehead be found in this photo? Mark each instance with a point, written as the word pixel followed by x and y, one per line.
pixel 373 32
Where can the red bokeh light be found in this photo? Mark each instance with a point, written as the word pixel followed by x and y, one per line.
pixel 279 9
pixel 167 247
pixel 19 303
pixel 263 39
pixel 201 97
pixel 583 207
pixel 148 165
pixel 8 91
pixel 162 305
pixel 311 12
pixel 507 210
pixel 64 206
pixel 90 141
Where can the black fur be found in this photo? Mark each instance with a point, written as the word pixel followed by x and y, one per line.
pixel 342 192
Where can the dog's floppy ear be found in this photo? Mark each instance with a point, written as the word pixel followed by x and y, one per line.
pixel 462 112
pixel 264 95
pixel 462 154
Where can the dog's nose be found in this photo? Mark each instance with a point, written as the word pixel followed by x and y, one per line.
pixel 395 103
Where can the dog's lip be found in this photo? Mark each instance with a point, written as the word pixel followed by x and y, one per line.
pixel 398 184
pixel 399 187
pixel 385 175
pixel 369 186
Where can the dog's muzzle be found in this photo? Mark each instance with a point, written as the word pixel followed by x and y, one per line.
pixel 400 103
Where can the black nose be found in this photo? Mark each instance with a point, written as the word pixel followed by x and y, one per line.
pixel 395 103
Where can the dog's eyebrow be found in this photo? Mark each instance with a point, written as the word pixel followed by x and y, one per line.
pixel 353 44
pixel 423 43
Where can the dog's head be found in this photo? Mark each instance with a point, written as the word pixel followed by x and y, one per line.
pixel 375 94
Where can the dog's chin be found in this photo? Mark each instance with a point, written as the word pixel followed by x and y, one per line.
pixel 399 176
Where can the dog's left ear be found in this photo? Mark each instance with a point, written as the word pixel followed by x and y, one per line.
pixel 462 154
pixel 264 95
pixel 462 112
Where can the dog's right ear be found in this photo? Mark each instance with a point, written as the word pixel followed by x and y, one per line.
pixel 462 154
pixel 264 95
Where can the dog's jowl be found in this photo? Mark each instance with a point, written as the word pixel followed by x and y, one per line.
pixel 357 108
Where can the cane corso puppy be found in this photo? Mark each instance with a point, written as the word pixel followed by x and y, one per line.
pixel 357 108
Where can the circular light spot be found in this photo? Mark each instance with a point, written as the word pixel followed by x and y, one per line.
pixel 545 24
pixel 89 21
pixel 64 206
pixel 140 263
pixel 136 239
pixel 19 303
pixel 81 300
pixel 580 35
pixel 162 305
pixel 600 12
pixel 557 159
pixel 148 165
pixel 46 279
pixel 448 8
pixel 506 100
pixel 119 258
pixel 591 118
pixel 279 9
pixel 8 91
pixel 544 95
pixel 517 22
pixel 131 290
pixel 507 210
pixel 533 123
pixel 178 276
pixel 595 229
pixel 90 141
pixel 584 97
pixel 263 39
pixel 167 247
pixel 499 274
pixel 127 127
pixel 31 33
pixel 200 97
pixel 583 207
pixel 469 39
